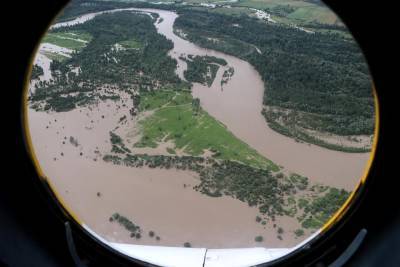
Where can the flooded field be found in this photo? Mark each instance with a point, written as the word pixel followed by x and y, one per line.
pixel 157 200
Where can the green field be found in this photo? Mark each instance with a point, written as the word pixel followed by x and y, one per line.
pixel 68 39
pixel 175 119
pixel 132 44
pixel 75 35
pixel 152 100
pixel 55 56
pixel 234 11
pixel 303 10
pixel 314 14
pixel 261 4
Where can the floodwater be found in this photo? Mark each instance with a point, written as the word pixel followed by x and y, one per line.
pixel 158 200
pixel 162 200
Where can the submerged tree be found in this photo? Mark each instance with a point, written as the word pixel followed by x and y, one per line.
pixel 196 105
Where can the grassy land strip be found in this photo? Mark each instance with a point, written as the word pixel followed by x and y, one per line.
pixel 62 41
pixel 294 132
pixel 195 132
pixel 202 69
pixel 55 56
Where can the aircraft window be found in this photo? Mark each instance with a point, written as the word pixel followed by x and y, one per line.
pixel 187 133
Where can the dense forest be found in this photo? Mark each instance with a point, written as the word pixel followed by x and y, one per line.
pixel 104 64
pixel 36 71
pixel 79 7
pixel 322 75
pixel 202 69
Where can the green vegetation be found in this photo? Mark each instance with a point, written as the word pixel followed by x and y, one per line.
pixel 36 71
pixel 196 106
pixel 281 10
pixel 100 65
pixel 158 161
pixel 77 35
pixel 299 12
pixel 299 232
pixel 302 203
pixel 259 238
pixel 233 11
pixel 132 44
pixel 80 7
pixel 154 100
pixel 194 131
pixel 317 210
pixel 170 150
pixel 117 144
pixel 257 187
pixel 299 181
pixel 73 141
pixel 227 75
pixel 65 40
pixel 251 185
pixel 134 229
pixel 294 124
pixel 202 69
pixel 55 56
pixel 323 76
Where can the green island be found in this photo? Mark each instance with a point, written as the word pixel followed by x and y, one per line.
pixel 202 69
pixel 227 75
pixel 36 72
pixel 194 131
